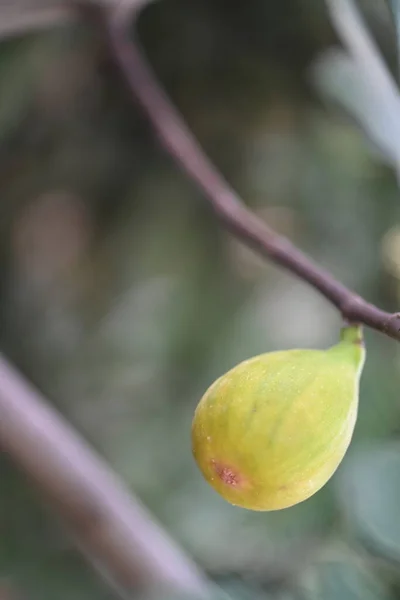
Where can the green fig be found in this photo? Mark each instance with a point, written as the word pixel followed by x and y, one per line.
pixel 272 431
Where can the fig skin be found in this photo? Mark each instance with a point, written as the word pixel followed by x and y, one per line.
pixel 271 432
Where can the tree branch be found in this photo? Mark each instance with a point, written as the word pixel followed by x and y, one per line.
pixel 177 139
pixel 111 526
pixel 21 20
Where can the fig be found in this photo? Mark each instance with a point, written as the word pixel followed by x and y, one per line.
pixel 271 432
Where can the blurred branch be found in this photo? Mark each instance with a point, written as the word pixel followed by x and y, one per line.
pixel 112 527
pixel 178 140
pixel 382 122
pixel 22 19
pixel 353 32
pixel 394 6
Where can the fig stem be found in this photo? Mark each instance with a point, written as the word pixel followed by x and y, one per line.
pixel 352 334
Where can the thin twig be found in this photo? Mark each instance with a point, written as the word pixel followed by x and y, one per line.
pixel 111 526
pixel 177 139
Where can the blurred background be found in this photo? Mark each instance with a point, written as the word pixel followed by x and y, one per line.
pixel 122 298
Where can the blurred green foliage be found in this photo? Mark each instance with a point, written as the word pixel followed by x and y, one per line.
pixel 122 298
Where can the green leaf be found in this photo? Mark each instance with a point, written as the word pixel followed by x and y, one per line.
pixel 339 78
pixel 340 579
pixel 369 492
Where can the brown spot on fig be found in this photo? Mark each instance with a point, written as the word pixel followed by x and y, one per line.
pixel 227 474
